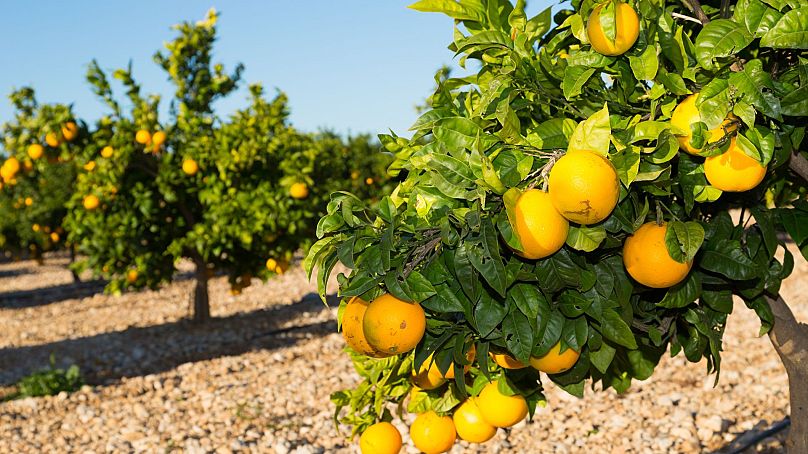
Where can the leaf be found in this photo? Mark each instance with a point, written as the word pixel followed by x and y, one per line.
pixel 602 358
pixel 756 16
pixel 646 65
pixel 585 239
pixel 627 163
pixel 614 328
pixel 790 32
pixel 683 293
pixel 553 133
pixel 558 271
pixel 683 240
pixel 527 298
pixel 453 9
pixel 593 134
pixel 756 86
pixel 728 259
pixel 713 102
pixel 720 38
pixel 720 301
pixel 488 313
pixel 574 79
pixel 460 133
pixel 518 335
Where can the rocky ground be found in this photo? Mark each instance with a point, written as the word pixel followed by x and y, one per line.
pixel 257 379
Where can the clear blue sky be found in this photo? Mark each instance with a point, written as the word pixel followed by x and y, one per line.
pixel 349 65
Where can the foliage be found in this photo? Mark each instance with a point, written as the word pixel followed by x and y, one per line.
pixel 49 382
pixel 443 238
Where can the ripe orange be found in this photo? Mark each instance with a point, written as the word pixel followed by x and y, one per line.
pixel 29 201
pixel 555 362
pixel 584 187
pixel 352 318
pixel 433 434
pixel 430 369
pixel 35 151
pixel 733 170
pixel 91 202
pixel 143 137
pixel 52 140
pixel 428 377
pixel 380 438
pixel 627 27
pixel 686 114
pixel 393 326
pixel 131 276
pixel 299 191
pixel 54 237
pixel 158 139
pixel 107 152
pixel 540 228
pixel 35 227
pixel 190 167
pixel 90 166
pixel 470 425
pixel 368 181
pixel 500 410
pixel 646 258
pixel 507 361
pixel 70 130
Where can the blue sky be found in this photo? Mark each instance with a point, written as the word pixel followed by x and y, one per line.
pixel 348 65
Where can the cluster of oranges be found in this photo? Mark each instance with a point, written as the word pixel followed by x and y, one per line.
pixel 147 139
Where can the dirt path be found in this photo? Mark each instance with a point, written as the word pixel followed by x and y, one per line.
pixel 258 378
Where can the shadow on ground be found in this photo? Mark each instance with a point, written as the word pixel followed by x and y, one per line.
pixel 46 295
pixel 763 438
pixel 106 358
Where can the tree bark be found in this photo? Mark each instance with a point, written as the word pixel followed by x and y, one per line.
pixel 790 340
pixel 76 277
pixel 200 311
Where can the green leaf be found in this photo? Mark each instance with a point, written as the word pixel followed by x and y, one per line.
pixel 585 239
pixel 790 32
pixel 714 102
pixel 452 8
pixel 460 133
pixel 683 293
pixel 683 240
pixel 488 313
pixel 574 79
pixel 551 134
pixel 756 16
pixel 646 65
pixel 728 259
pixel 527 298
pixel 602 358
pixel 614 328
pixel 627 164
pixel 558 271
pixel 518 335
pixel 756 87
pixel 720 301
pixel 593 133
pixel 720 38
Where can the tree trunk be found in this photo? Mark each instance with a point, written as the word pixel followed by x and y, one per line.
pixel 790 340
pixel 76 277
pixel 201 306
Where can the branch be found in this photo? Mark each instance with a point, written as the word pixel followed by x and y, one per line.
pixel 787 334
pixel 695 7
pixel 799 165
pixel 687 18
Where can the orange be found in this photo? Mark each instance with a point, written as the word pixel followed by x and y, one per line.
pixel 540 228
pixel 142 137
pixel 733 170
pixel 352 318
pixel 52 140
pixel 368 181
pixel 428 377
pixel 555 362
pixel 131 276
pixel 584 187
pixel 627 28
pixel 470 425
pixel 28 165
pixel 647 260
pixel 393 326
pixel 299 191
pixel 107 152
pixel 500 410
pixel 70 130
pixel 35 227
pixel 433 434
pixel 190 167
pixel 158 139
pixel 29 201
pixel 380 438
pixel 54 237
pixel 91 202
pixel 686 114
pixel 90 166
pixel 431 368
pixel 507 361
pixel 35 151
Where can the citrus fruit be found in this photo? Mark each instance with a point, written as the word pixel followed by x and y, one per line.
pixel 686 114
pixel 35 227
pixel 90 166
pixel 428 377
pixel 70 130
pixel 507 361
pixel 35 151
pixel 352 318
pixel 142 137
pixel 498 409
pixel 555 362
pixel 158 139
pixel 584 187
pixel 91 202
pixel 107 152
pixel 627 29
pixel 368 181
pixel 647 259
pixel 54 237
pixel 733 170
pixel 540 228
pixel 29 201
pixel 299 191
pixel 190 167
pixel 51 140
pixel 131 276
pixel 393 326
pixel 433 434
pixel 470 425
pixel 380 438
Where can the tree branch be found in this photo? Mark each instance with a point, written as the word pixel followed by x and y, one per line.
pixel 799 165
pixel 695 7
pixel 788 335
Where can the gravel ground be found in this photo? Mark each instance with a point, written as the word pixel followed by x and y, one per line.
pixel 257 379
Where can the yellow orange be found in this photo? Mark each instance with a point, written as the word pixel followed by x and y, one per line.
pixel 627 29
pixel 131 276
pixel 584 187
pixel 90 166
pixel 380 438
pixel 107 152
pixel 393 326
pixel 507 361
pixel 143 137
pixel 299 191
pixel 647 260
pixel 538 225
pixel 52 140
pixel 190 167
pixel 35 151
pixel 498 409
pixel 470 424
pixel 555 362
pixel 733 170
pixel 433 434
pixel 158 139
pixel 352 318
pixel 54 237
pixel 91 202
pixel 70 130
pixel 686 114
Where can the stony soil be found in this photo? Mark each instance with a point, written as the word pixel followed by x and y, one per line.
pixel 257 379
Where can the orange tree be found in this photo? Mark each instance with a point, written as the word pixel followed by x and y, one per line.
pixel 237 195
pixel 37 173
pixel 564 214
